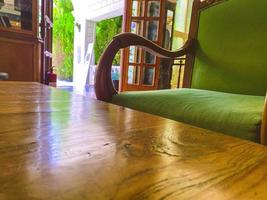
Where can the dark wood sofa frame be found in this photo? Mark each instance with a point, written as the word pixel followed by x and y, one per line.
pixel 104 88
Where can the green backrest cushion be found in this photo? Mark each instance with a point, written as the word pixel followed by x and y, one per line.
pixel 231 53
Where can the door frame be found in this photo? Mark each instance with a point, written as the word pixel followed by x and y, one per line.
pixel 46 34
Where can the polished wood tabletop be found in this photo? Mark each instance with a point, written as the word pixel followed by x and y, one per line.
pixel 58 145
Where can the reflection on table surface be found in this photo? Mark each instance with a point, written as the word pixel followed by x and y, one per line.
pixel 58 145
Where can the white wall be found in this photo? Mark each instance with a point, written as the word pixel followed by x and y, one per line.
pixel 82 38
pixel 97 10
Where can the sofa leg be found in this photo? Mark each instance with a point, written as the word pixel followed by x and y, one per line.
pixel 263 138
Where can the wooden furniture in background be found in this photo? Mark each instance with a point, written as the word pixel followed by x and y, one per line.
pixel 24 46
pixel 153 20
pixel 58 145
pixel 19 43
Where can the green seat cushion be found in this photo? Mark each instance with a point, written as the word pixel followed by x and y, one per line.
pixel 233 114
pixel 231 51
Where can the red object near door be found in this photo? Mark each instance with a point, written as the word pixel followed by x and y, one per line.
pixel 52 77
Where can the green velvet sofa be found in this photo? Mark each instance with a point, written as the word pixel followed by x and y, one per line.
pixel 225 73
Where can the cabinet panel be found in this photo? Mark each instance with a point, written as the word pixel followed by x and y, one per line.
pixel 18 59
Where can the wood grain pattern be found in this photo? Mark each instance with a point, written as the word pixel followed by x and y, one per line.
pixel 57 145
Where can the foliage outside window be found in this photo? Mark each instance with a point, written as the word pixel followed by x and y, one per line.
pixel 63 38
pixel 105 31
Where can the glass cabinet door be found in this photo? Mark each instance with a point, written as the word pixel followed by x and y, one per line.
pixel 133 74
pixel 138 8
pixel 16 14
pixel 152 30
pixel 152 19
pixel 148 76
pixel 141 65
pixel 153 9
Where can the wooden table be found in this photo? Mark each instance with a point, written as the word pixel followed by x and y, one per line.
pixel 57 145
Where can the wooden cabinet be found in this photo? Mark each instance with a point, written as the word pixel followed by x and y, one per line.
pixel 153 19
pixel 21 39
pixel 20 59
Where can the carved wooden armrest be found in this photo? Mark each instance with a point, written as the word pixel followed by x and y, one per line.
pixel 104 88
pixel 263 138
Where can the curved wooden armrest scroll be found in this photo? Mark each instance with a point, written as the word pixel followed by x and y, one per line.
pixel 263 138
pixel 104 88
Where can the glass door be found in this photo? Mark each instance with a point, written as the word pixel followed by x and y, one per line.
pixel 140 68
pixel 151 19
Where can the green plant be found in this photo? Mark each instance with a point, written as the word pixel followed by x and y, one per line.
pixel 105 31
pixel 63 37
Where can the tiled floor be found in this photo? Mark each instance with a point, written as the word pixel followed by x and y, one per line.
pixel 68 86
